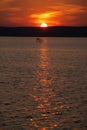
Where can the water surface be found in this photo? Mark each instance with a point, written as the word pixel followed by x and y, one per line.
pixel 43 84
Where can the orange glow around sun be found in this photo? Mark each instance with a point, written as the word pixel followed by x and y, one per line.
pixel 43 25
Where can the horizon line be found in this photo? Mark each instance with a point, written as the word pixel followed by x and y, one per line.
pixel 39 27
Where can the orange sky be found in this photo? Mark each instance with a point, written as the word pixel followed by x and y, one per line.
pixel 35 12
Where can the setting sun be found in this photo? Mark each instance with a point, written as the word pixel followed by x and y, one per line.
pixel 44 25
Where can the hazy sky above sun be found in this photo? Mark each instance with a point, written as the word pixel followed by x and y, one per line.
pixel 35 12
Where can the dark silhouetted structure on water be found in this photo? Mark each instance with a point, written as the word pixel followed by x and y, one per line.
pixel 44 32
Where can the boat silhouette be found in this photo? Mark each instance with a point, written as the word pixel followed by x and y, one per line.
pixel 38 40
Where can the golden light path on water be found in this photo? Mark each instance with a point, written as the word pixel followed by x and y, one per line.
pixel 43 93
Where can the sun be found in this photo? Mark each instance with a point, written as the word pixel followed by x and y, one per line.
pixel 44 25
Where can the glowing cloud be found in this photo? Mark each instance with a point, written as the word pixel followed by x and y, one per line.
pixel 44 17
pixel 69 8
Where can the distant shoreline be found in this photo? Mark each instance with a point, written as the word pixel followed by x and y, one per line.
pixel 63 31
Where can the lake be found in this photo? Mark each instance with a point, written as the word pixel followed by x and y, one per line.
pixel 43 84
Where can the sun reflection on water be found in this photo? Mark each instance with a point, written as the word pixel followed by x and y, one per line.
pixel 43 93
